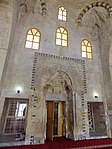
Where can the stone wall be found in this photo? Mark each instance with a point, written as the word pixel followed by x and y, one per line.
pixel 105 48
pixel 19 63
pixel 8 17
pixel 47 26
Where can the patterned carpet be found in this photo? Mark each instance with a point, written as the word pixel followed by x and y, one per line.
pixel 69 144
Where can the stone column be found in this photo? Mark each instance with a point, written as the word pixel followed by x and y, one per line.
pixel 35 132
pixel 70 116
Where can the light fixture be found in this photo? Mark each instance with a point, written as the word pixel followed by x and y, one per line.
pixel 96 95
pixel 18 89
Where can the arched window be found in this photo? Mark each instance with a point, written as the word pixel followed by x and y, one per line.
pixel 33 39
pixel 61 37
pixel 62 13
pixel 86 48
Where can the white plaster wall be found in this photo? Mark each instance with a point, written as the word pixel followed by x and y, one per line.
pixel 6 14
pixel 6 11
pixel 3 56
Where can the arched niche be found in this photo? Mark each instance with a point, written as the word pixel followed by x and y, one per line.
pixel 58 88
pixel 58 83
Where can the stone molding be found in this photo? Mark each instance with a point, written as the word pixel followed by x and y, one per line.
pixel 35 98
pixel 57 57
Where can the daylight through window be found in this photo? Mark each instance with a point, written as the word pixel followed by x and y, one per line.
pixel 33 39
pixel 86 49
pixel 62 13
pixel 61 37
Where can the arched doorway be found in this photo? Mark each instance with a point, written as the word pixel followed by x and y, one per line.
pixel 58 95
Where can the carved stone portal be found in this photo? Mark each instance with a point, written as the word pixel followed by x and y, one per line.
pixel 59 88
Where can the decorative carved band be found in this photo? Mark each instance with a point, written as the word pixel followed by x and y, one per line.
pixel 57 56
pixel 44 7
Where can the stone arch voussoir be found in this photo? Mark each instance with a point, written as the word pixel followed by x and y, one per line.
pixel 107 6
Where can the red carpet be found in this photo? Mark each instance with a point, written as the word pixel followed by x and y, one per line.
pixel 66 143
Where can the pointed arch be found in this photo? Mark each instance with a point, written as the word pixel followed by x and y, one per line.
pixel 107 6
pixel 58 82
pixel 33 38
pixel 61 37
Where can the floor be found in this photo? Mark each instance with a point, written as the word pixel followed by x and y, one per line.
pixel 63 143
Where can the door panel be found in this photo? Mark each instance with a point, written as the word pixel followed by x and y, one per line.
pixel 60 119
pixel 55 133
pixel 54 119
pixel 50 120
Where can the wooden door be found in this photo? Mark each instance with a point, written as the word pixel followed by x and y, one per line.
pixel 50 120
pixel 60 119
